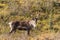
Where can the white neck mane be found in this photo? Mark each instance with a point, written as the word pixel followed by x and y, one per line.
pixel 33 23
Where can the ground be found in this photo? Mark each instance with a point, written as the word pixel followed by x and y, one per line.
pixel 24 36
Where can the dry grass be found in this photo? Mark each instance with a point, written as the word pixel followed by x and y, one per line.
pixel 24 36
pixel 25 7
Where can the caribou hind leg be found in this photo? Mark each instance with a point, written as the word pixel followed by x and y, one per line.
pixel 12 30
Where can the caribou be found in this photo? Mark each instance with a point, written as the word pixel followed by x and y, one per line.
pixel 22 25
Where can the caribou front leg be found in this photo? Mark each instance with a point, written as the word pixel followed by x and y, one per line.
pixel 28 32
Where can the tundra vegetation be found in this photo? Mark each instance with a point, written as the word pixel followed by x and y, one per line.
pixel 47 12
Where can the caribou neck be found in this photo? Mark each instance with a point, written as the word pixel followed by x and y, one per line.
pixel 35 19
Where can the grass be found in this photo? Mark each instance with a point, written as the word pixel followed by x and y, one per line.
pixel 42 31
pixel 23 36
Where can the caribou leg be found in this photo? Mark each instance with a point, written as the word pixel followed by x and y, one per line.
pixel 12 30
pixel 28 32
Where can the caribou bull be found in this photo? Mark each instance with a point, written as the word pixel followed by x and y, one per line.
pixel 22 25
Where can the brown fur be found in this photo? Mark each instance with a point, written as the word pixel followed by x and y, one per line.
pixel 23 25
